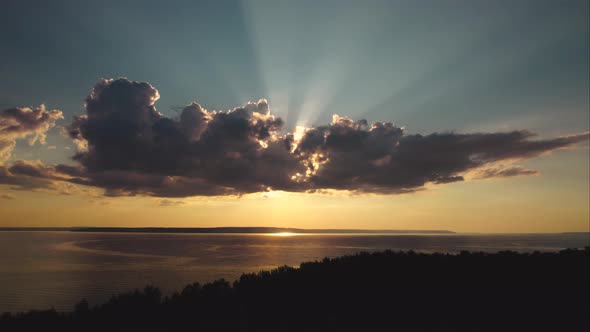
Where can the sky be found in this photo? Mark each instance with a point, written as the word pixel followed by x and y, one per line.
pixel 471 116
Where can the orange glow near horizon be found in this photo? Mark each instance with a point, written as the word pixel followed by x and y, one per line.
pixel 556 201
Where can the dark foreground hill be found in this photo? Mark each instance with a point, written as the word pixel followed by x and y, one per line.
pixel 386 291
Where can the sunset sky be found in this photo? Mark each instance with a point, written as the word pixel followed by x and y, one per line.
pixel 470 116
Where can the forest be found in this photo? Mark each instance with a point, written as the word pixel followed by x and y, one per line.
pixel 382 291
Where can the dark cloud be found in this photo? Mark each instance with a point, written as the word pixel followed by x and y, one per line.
pixel 126 147
pixel 382 159
pixel 20 123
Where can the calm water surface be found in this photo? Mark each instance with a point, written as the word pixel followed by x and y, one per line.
pixel 40 270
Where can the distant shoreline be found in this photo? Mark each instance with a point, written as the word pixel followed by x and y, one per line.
pixel 256 230
pixel 224 230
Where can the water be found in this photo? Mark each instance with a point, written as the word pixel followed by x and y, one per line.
pixel 40 270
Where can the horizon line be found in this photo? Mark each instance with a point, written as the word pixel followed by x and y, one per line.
pixel 256 230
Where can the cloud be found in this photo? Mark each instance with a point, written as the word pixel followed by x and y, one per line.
pixel 6 196
pixel 30 175
pixel 382 158
pixel 501 171
pixel 20 123
pixel 34 175
pixel 168 202
pixel 126 147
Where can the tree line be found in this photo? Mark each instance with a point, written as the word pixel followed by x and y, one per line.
pixel 383 291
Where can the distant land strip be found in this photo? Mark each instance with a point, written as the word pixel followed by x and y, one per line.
pixel 219 230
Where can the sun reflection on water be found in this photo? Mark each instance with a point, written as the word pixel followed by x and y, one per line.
pixel 283 234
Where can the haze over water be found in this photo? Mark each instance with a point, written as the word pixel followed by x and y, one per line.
pixel 40 270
